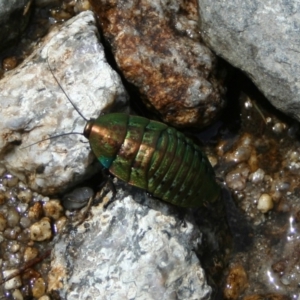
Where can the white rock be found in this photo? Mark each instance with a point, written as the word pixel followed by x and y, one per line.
pixel 12 283
pixel 129 251
pixel 33 106
pixel 265 203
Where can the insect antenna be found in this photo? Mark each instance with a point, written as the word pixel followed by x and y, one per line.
pixel 50 138
pixel 72 103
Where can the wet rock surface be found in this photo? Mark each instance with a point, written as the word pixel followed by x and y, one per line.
pixel 262 39
pixel 260 166
pixel 157 48
pixel 33 106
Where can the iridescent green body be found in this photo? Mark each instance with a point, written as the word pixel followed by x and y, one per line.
pixel 154 157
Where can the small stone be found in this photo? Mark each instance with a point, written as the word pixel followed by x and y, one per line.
pixel 25 222
pixel 13 217
pixel 36 211
pixel 3 222
pixel 25 196
pixel 17 295
pixel 60 224
pixel 267 296
pixel 265 203
pixel 257 176
pixel 10 180
pixel 41 230
pixel 2 197
pixel 236 282
pixel 15 247
pixel 236 179
pixel 12 283
pixel 30 253
pixel 12 233
pixel 53 209
pixel 279 128
pixel 45 297
pixel 9 63
pixel 38 288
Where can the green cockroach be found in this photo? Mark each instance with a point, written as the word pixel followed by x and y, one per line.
pixel 153 156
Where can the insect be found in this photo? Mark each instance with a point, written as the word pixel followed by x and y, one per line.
pixel 152 156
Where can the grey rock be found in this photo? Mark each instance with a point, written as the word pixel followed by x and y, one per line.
pixel 14 15
pixel 134 249
pixel 34 107
pixel 262 39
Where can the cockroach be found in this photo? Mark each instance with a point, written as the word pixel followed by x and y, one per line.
pixel 152 156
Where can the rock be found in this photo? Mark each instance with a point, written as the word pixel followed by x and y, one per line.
pixel 34 107
pixel 262 39
pixel 30 253
pixel 236 282
pixel 157 48
pixel 38 288
pixel 12 283
pixel 53 209
pixel 41 230
pixel 265 203
pixel 14 16
pixel 77 198
pixel 129 251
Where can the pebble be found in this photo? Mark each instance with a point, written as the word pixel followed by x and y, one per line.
pixel 30 253
pixel 25 196
pixel 279 128
pixel 236 179
pixel 38 288
pixel 45 297
pixel 36 211
pixel 12 283
pixel 268 297
pixel 53 209
pixel 265 203
pixel 17 295
pixel 257 176
pixel 13 217
pixel 77 198
pixel 236 282
pixel 12 233
pixel 41 230
pixel 3 222
pixel 9 63
pixel 25 222
pixel 2 198
pixel 10 180
pixel 60 224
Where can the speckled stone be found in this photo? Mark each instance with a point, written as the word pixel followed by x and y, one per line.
pixel 33 106
pixel 41 230
pixel 157 47
pixel 133 249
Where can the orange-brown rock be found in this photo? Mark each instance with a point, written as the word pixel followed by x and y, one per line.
pixel 157 48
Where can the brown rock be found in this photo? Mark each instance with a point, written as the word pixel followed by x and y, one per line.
pixel 266 297
pixel 236 282
pixel 157 47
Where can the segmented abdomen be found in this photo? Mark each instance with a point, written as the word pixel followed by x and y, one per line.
pixel 155 157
